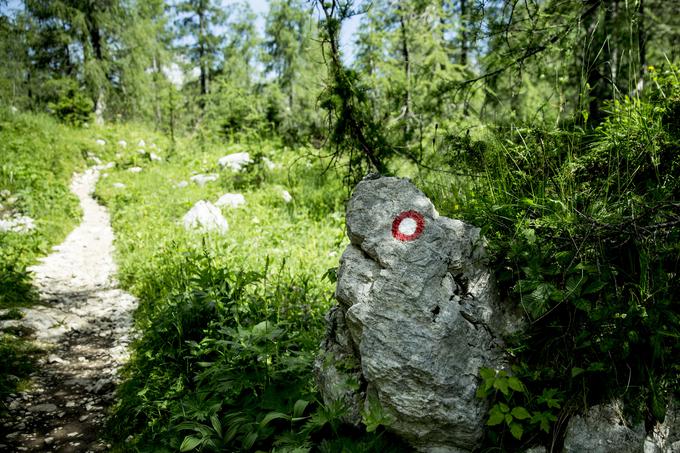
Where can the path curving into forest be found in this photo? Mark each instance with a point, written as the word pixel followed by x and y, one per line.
pixel 84 322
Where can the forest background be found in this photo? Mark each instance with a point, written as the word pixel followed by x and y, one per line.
pixel 551 124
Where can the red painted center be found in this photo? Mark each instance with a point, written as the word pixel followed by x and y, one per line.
pixel 408 225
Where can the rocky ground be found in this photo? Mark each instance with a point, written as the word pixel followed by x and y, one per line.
pixel 84 324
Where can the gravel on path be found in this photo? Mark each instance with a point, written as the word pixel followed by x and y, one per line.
pixel 84 322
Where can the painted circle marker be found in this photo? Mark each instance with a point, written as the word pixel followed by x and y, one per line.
pixel 408 225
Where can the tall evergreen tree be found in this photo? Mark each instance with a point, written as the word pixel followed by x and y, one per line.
pixel 199 22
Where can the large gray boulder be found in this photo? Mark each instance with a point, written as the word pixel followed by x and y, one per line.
pixel 604 429
pixel 418 316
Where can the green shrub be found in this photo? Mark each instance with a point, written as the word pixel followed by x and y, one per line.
pixel 72 105
pixel 583 234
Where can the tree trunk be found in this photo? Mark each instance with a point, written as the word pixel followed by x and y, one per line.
pixel 596 57
pixel 158 113
pixel 100 107
pixel 201 58
pixel 407 74
pixel 96 40
pixel 464 45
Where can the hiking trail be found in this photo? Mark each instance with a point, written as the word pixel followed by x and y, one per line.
pixel 84 323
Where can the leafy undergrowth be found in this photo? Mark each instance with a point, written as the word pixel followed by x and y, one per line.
pixel 230 324
pixel 583 230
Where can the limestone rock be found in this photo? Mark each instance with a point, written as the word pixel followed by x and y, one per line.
pixel 665 437
pixel 233 200
pixel 204 216
pixel 235 161
pixel 418 316
pixel 603 429
pixel 201 179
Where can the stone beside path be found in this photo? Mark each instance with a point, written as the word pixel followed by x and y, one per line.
pixel 84 322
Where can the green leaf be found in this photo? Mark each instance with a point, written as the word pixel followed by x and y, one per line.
pixel 217 426
pixel 249 441
pixel 515 384
pixel 487 373
pixel 502 385
pixel 536 301
pixel 504 408
pixel 273 416
pixel 593 287
pixel 299 408
pixel 574 283
pixel 576 371
pixel 520 413
pixel 189 443
pixel 543 419
pixel 516 430
pixel 496 417
pixel 596 366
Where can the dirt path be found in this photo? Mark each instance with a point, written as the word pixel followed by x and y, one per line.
pixel 84 322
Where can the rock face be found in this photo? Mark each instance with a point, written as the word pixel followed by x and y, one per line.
pixel 603 429
pixel 418 316
pixel 665 437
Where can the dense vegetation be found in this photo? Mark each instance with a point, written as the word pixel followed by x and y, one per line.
pixel 553 125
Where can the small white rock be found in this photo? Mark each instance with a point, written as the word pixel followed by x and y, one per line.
pixel 233 200
pixel 154 156
pixel 287 197
pixel 135 169
pixel 204 216
pixel 100 142
pixel 235 161
pixel 122 143
pixel 118 185
pixel 53 358
pixel 201 180
pixel 181 184
pixel 141 151
pixel 141 143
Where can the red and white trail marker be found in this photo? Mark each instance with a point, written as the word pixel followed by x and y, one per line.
pixel 408 225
